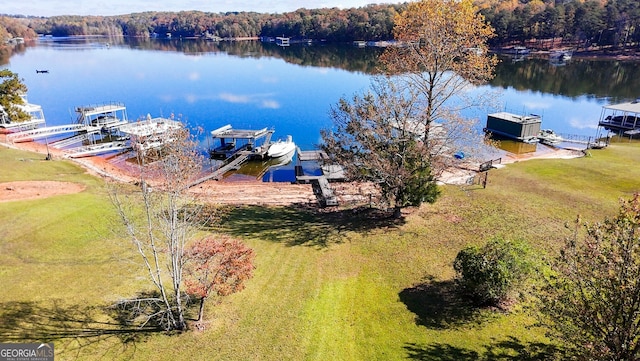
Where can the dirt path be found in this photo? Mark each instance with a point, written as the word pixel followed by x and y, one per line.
pixel 22 190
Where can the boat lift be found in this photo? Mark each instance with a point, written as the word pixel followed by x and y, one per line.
pixel 91 120
pixel 95 149
pixel 232 141
pixel 623 118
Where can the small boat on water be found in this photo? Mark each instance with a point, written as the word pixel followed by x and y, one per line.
pixel 281 148
pixel 560 55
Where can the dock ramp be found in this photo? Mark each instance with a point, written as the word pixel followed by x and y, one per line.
pixel 39 133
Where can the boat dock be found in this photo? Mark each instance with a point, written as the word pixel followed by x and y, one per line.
pixel 589 141
pixel 524 128
pixel 36 117
pixel 94 113
pixel 233 141
pixel 150 133
pixel 91 120
pixel 235 147
pixel 94 149
pixel 320 183
pixel 623 118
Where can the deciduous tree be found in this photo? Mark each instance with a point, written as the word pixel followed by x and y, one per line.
pixel 443 52
pixel 160 217
pixel 404 132
pixel 591 301
pixel 374 138
pixel 217 267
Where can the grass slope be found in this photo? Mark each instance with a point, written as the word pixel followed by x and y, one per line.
pixel 339 286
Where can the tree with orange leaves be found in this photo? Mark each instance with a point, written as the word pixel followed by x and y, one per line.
pixel 406 131
pixel 217 267
pixel 443 50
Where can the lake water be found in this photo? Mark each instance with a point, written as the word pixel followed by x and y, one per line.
pixel 252 85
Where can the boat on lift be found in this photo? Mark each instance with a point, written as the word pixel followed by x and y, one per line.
pixel 281 148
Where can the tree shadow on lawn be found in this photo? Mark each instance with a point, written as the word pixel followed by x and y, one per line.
pixel 511 349
pixel 297 226
pixel 79 325
pixel 437 305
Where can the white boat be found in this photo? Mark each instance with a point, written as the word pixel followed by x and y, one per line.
pixel 281 148
pixel 548 136
pixel 560 55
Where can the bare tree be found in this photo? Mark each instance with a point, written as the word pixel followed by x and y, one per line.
pixel 160 216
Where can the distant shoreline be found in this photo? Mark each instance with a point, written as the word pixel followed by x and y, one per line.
pixel 591 54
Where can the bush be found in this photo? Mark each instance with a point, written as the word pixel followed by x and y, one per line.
pixel 492 274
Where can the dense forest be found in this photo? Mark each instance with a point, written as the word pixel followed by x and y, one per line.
pixel 373 22
pixel 581 22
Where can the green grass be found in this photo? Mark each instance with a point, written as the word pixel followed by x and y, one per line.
pixel 327 286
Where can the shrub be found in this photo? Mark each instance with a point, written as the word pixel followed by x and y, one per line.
pixel 492 274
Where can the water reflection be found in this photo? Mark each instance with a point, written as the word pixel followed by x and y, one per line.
pixel 515 147
pixel 614 80
pixel 253 85
pixel 342 56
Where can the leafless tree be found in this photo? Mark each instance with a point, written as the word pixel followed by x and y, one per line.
pixel 160 216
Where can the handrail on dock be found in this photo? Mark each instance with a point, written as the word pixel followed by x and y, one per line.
pixel 216 174
pixel 93 109
pixel 38 133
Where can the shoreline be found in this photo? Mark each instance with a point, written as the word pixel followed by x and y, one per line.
pixel 256 192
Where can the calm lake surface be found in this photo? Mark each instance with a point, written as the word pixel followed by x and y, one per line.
pixel 251 85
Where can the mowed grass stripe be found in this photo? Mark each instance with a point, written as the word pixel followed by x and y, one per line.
pixel 322 291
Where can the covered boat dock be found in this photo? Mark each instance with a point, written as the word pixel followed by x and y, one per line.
pixel 524 128
pixel 229 141
pixel 623 118
pixel 150 133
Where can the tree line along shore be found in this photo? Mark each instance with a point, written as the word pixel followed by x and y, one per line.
pixel 609 25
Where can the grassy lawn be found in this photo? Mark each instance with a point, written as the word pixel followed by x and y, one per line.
pixel 327 286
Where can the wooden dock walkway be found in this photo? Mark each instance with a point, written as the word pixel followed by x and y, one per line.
pixel 307 155
pixel 588 141
pixel 218 173
pixel 321 188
